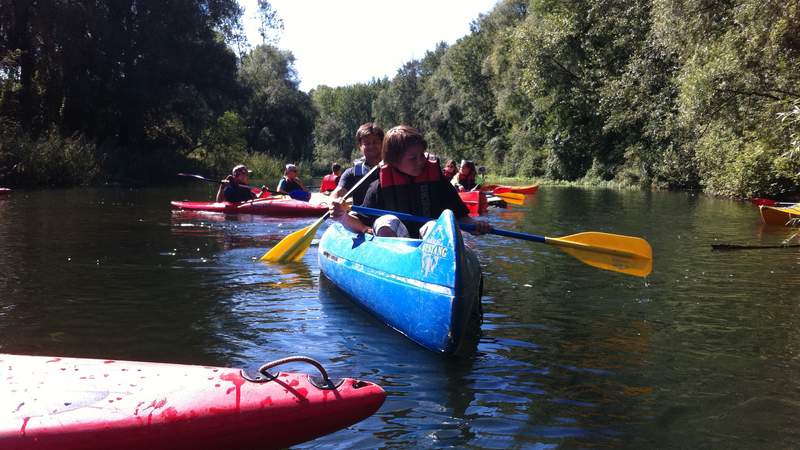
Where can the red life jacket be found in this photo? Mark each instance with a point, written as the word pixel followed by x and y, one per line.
pixel 421 195
pixel 329 182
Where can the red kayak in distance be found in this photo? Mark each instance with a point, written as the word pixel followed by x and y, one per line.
pixel 769 202
pixel 475 201
pixel 91 404
pixel 270 206
pixel 5 191
pixel 478 202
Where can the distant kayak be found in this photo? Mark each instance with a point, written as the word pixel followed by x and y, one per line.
pixel 498 188
pixel 475 201
pixel 5 191
pixel 74 403
pixel 429 290
pixel 776 215
pixel 478 202
pixel 270 206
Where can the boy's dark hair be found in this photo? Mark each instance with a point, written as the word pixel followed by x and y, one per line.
pixel 335 167
pixel 368 129
pixel 397 140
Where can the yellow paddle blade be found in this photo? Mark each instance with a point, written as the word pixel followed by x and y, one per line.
pixel 513 195
pixel 294 246
pixel 614 252
pixel 512 198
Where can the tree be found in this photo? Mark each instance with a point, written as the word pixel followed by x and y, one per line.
pixel 140 77
pixel 341 111
pixel 279 117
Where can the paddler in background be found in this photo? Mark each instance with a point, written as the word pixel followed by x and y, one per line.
pixel 450 169
pixel 369 138
pixel 291 185
pixel 331 180
pixel 408 182
pixel 234 187
pixel 464 180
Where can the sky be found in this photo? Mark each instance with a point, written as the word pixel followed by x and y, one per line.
pixel 343 42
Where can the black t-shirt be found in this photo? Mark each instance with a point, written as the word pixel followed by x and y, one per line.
pixel 448 196
pixel 349 179
pixel 235 193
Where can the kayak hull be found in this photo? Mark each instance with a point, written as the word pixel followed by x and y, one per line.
pixel 270 206
pixel 475 201
pixel 428 290
pixel 527 190
pixel 74 403
pixel 774 215
pixel 5 191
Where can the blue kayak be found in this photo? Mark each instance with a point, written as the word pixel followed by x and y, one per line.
pixel 429 289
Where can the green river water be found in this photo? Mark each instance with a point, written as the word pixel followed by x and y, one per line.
pixel 703 353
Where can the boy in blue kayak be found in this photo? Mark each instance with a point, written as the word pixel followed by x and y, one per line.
pixel 234 187
pixel 291 185
pixel 408 182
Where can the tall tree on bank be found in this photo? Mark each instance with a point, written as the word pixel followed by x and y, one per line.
pixel 279 117
pixel 142 79
pixel 738 90
pixel 341 111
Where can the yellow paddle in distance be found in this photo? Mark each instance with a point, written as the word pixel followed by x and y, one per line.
pixel 614 252
pixel 294 246
pixel 511 197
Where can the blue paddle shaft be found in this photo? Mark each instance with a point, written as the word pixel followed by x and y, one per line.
pixel 464 226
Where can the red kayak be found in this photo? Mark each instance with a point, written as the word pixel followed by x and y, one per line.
pixel 5 191
pixel 270 206
pixel 475 201
pixel 73 403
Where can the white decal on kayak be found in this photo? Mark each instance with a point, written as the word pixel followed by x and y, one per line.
pixel 435 250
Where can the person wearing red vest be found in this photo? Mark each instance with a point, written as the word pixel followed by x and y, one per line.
pixel 410 183
pixel 331 180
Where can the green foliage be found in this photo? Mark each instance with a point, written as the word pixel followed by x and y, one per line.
pixel 124 75
pixel 669 93
pixel 223 144
pixel 50 160
pixel 279 117
pixel 325 156
pixel 267 169
pixel 737 82
pixel 678 94
pixel 341 111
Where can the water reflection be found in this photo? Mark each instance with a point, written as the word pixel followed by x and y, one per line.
pixel 701 353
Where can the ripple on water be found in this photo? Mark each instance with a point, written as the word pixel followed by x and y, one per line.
pixel 703 351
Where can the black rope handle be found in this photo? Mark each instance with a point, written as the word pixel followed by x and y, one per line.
pixel 289 359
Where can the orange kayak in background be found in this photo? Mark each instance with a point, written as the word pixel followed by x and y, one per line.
pixel 499 189
pixel 775 215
